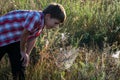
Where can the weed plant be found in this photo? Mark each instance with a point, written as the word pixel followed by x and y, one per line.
pixel 92 26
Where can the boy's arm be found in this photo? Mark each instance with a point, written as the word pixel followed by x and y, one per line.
pixel 23 42
pixel 30 45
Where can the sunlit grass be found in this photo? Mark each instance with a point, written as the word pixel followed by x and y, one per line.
pixel 89 23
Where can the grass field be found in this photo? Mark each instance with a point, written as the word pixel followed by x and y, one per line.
pixel 92 27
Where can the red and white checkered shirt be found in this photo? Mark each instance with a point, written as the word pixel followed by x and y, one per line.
pixel 13 23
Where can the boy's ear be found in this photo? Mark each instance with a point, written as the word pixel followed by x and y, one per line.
pixel 48 15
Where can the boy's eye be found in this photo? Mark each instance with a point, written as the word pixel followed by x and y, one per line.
pixel 56 23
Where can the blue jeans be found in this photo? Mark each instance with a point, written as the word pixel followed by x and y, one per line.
pixel 13 51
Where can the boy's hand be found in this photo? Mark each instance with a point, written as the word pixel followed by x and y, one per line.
pixel 24 59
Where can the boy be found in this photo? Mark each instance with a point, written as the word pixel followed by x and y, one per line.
pixel 19 30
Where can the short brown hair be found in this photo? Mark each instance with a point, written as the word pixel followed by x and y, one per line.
pixel 56 11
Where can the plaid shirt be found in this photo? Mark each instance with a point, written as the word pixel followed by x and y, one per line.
pixel 13 23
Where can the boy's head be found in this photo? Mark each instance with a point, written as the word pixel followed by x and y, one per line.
pixel 54 15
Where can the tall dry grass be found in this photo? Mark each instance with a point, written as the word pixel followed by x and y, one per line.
pixel 92 24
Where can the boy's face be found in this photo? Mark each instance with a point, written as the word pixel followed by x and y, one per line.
pixel 51 22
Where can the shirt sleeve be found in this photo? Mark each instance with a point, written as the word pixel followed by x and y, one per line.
pixel 30 21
